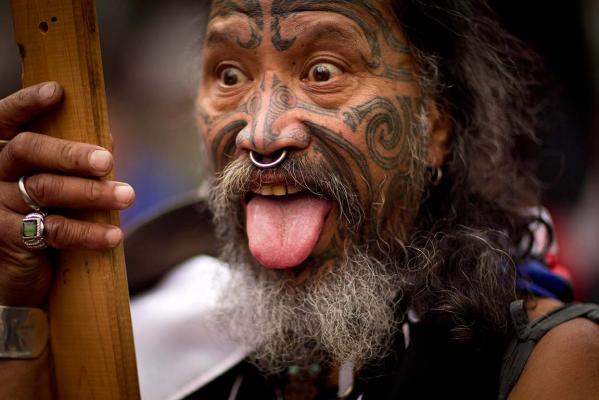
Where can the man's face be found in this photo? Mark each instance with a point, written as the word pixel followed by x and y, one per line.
pixel 333 84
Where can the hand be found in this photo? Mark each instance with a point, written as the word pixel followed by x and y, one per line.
pixel 60 174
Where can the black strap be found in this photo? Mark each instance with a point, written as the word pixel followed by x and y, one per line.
pixel 529 333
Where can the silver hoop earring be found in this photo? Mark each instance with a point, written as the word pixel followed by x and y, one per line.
pixel 436 176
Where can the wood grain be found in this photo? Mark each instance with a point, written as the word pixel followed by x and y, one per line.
pixel 90 323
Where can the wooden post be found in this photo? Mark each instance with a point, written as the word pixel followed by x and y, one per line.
pixel 90 323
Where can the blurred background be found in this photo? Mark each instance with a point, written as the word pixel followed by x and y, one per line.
pixel 150 53
pixel 151 50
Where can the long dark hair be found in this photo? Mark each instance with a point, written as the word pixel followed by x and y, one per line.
pixel 470 226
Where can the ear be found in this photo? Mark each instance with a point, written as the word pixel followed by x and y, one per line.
pixel 439 136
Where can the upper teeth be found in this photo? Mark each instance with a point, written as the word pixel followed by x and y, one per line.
pixel 276 190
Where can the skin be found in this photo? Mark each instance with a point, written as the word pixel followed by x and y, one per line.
pixel 325 82
pixel 565 362
pixel 275 45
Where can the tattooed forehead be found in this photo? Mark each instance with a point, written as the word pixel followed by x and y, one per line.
pixel 283 8
pixel 368 18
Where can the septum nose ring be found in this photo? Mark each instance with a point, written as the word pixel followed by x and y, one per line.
pixel 271 164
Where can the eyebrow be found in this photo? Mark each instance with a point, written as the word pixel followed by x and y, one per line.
pixel 340 7
pixel 313 33
pixel 330 30
pixel 220 37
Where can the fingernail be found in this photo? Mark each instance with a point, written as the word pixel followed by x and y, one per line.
pixel 101 160
pixel 47 90
pixel 124 193
pixel 114 236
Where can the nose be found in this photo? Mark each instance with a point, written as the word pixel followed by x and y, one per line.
pixel 274 128
pixel 269 141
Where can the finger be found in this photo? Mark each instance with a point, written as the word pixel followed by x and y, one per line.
pixel 10 240
pixel 57 191
pixel 22 106
pixel 30 152
pixel 25 275
pixel 66 233
pixel 60 233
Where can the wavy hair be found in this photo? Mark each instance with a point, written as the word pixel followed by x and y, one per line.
pixel 471 225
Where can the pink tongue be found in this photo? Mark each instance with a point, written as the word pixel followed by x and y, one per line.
pixel 282 231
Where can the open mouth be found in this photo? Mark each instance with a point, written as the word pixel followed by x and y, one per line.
pixel 284 224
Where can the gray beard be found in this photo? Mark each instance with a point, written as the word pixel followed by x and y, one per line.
pixel 346 313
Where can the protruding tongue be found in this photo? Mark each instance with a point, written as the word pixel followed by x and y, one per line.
pixel 282 231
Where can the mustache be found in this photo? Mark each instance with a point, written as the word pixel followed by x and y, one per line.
pixel 240 177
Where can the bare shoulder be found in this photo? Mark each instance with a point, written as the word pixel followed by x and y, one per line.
pixel 565 362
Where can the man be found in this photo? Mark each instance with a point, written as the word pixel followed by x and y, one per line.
pixel 369 197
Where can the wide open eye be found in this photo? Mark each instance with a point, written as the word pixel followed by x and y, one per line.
pixel 232 76
pixel 323 72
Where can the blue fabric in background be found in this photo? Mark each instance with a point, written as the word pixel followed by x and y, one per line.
pixel 535 277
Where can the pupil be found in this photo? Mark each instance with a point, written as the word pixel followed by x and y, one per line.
pixel 321 73
pixel 229 77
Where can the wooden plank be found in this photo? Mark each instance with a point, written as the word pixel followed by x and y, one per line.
pixel 90 324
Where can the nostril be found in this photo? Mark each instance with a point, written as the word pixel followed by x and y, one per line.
pixel 268 160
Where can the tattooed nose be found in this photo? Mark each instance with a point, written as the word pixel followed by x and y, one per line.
pixel 291 136
pixel 275 124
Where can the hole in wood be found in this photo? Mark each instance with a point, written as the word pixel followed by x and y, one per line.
pixel 53 19
pixel 43 27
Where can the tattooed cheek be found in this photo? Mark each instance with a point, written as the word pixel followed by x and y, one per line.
pixel 243 136
pixel 222 142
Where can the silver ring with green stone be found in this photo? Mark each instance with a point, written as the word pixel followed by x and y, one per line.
pixel 33 231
